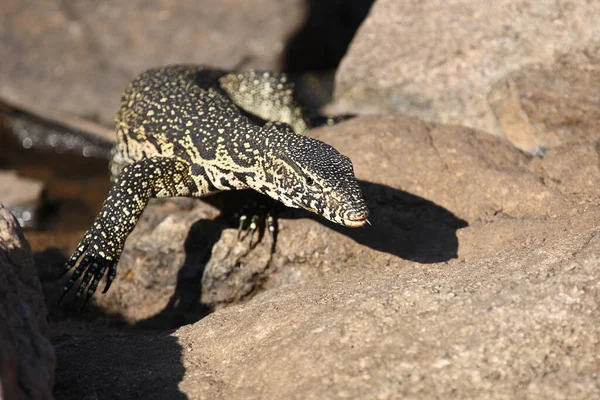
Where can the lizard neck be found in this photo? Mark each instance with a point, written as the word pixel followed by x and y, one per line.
pixel 264 150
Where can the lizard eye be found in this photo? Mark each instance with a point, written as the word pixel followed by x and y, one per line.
pixel 310 181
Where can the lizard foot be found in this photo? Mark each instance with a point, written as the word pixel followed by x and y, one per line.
pixel 257 217
pixel 93 266
pixel 258 223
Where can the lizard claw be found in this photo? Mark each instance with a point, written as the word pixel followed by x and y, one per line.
pixel 243 219
pixel 258 217
pixel 257 223
pixel 272 228
pixel 92 267
pixel 252 230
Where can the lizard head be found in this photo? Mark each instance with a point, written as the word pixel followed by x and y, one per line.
pixel 307 173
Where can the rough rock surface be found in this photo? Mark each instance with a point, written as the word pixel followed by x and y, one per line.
pixel 439 60
pixel 27 358
pixel 479 279
pixel 523 323
pixel 541 106
pixel 78 56
pixel 520 324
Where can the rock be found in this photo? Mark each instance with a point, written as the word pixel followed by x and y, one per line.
pixel 49 131
pixel 79 56
pixel 22 196
pixel 542 106
pixel 479 276
pixel 439 61
pixel 519 323
pixel 27 358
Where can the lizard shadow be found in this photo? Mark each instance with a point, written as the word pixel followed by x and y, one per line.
pixel 403 225
pixel 406 225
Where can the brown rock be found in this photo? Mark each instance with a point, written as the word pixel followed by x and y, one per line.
pixel 438 60
pixel 27 358
pixel 78 57
pixel 518 324
pixel 21 195
pixel 419 305
pixel 521 323
pixel 541 106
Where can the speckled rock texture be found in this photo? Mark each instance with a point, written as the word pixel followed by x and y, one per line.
pixel 449 62
pixel 478 279
pixel 27 359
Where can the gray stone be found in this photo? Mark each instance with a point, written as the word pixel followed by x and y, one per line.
pixel 27 358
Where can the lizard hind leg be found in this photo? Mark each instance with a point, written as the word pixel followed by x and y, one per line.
pixel 268 95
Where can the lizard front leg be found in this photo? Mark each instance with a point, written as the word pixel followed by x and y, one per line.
pixel 102 244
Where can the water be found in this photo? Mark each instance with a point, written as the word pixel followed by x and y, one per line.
pixel 73 167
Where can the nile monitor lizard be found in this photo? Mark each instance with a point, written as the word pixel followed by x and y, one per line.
pixel 190 131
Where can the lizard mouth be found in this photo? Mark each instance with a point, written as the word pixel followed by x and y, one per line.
pixel 355 222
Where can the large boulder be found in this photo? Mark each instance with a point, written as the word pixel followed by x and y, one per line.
pixel 79 56
pixel 451 62
pixel 479 278
pixel 27 358
pixel 519 323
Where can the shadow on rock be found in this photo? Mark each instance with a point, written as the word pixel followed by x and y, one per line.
pixel 185 305
pixel 324 38
pixel 406 226
pixel 220 270
pixel 119 367
pixel 403 225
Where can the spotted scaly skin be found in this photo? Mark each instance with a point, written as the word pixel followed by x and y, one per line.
pixel 181 133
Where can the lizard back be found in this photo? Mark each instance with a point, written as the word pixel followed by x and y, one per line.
pixel 176 111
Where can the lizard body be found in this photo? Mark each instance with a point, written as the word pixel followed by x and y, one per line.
pixel 185 130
